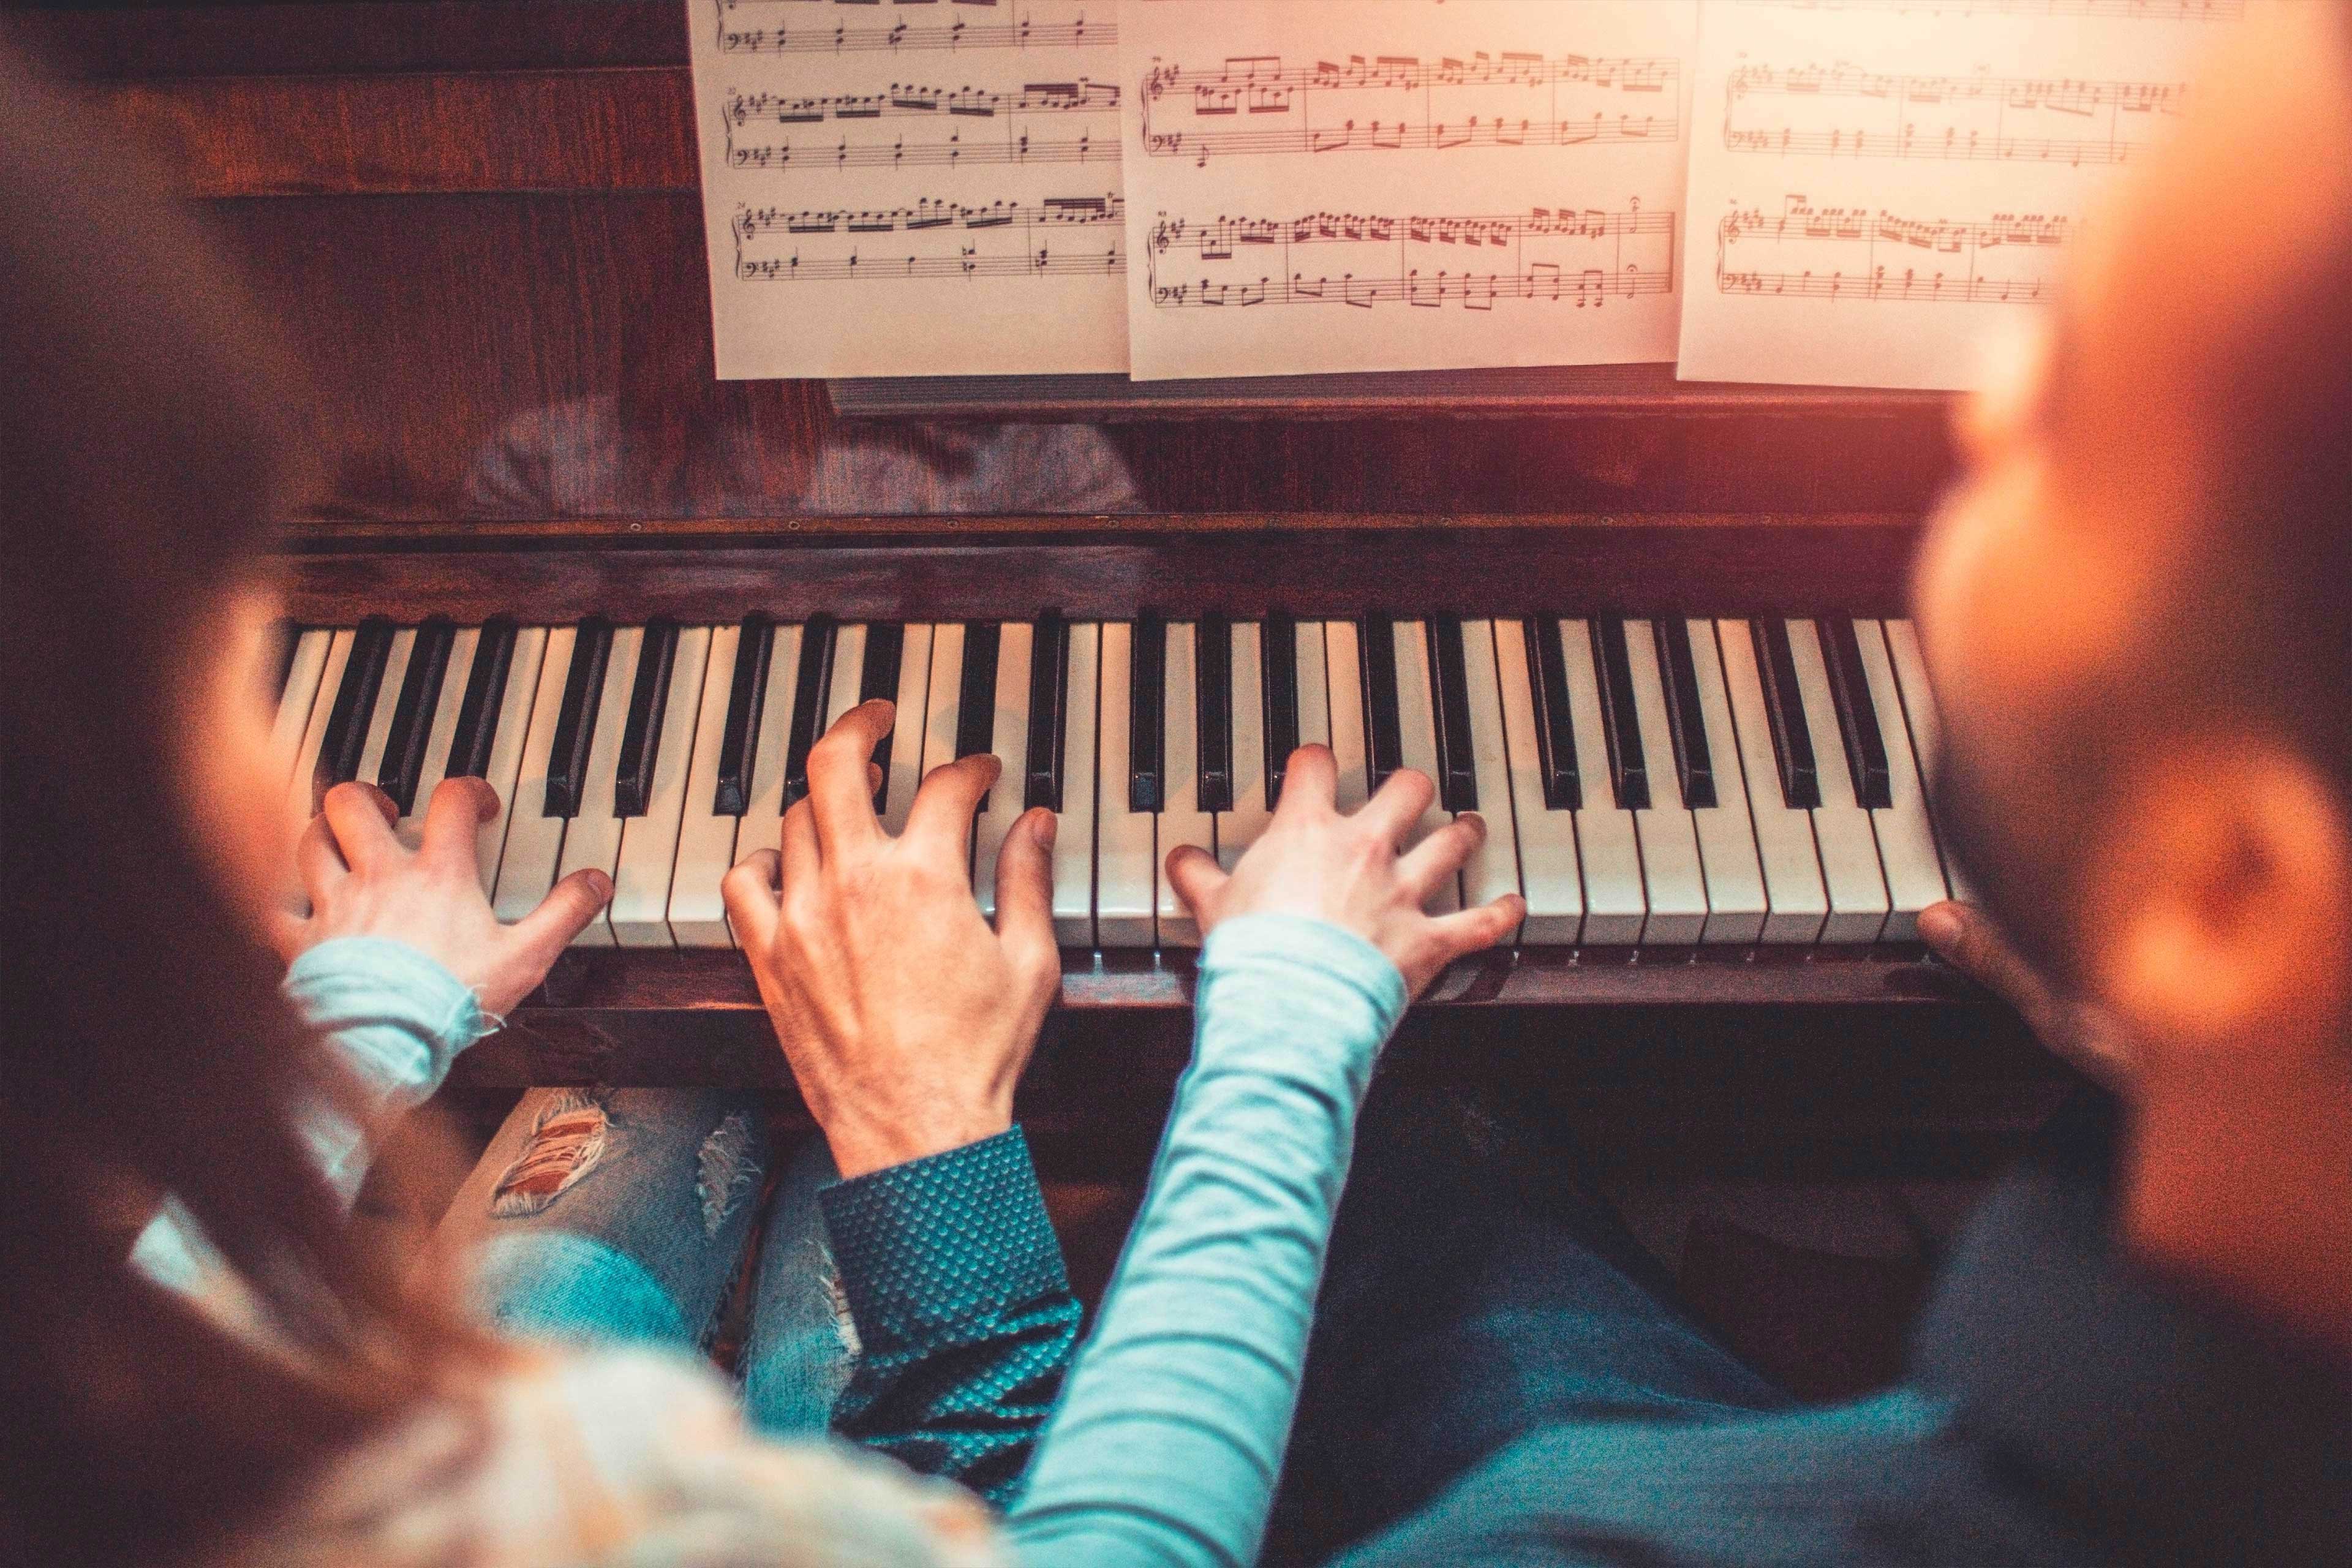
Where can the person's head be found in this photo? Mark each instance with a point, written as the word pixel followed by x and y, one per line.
pixel 144 434
pixel 2137 606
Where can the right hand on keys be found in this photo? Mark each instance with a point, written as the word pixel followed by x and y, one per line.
pixel 1346 870
pixel 1966 938
pixel 905 1018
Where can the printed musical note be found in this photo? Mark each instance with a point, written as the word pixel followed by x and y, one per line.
pixel 778 36
pixel 1882 164
pixel 1496 183
pixel 1061 235
pixel 1506 100
pixel 1832 254
pixel 1844 112
pixel 932 142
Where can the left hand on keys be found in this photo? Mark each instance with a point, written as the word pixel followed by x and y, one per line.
pixel 905 1018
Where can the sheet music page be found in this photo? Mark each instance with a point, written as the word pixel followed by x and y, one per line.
pixel 921 187
pixel 1878 187
pixel 1401 184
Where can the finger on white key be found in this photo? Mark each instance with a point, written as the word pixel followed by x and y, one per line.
pixel 1344 675
pixel 1238 828
pixel 534 839
pixel 1074 840
pixel 1552 877
pixel 301 783
pixel 1126 857
pixel 1417 740
pixel 1009 741
pixel 904 775
pixel 423 764
pixel 592 837
pixel 1181 819
pixel 697 909
pixel 763 827
pixel 1493 869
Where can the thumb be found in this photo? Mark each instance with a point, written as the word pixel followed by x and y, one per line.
pixel 564 914
pixel 1968 938
pixel 750 891
pixel 1024 897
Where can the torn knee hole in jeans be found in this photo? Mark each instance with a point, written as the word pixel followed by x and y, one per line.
pixel 725 1170
pixel 566 1140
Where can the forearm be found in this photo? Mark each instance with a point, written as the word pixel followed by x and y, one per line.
pixel 964 1313
pixel 1168 1444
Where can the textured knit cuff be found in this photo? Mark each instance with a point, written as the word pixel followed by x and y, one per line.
pixel 942 1241
pixel 357 982
pixel 1289 972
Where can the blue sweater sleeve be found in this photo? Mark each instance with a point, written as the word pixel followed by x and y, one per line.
pixel 1168 1440
pixel 964 1313
pixel 394 1020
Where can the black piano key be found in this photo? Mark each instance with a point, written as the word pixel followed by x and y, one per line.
pixel 1278 676
pixel 1449 668
pixel 641 736
pixel 354 709
pixel 1563 784
pixel 1792 745
pixel 413 710
pixel 1383 728
pixel 1865 747
pixel 283 637
pixel 1049 699
pixel 886 646
pixel 976 696
pixel 486 694
pixel 1620 726
pixel 747 694
pixel 1212 709
pixel 1693 764
pixel 1147 706
pixel 812 685
pixel 575 723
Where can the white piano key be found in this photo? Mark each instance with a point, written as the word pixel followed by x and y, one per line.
pixel 387 697
pixel 1927 732
pixel 1737 902
pixel 1616 906
pixel 1671 872
pixel 593 838
pixel 1493 869
pixel 534 840
pixel 1906 844
pixel 1073 835
pixel 1784 835
pixel 1417 732
pixel 524 669
pixel 1126 840
pixel 1314 686
pixel 696 912
pixel 763 827
pixel 1344 674
pixel 1849 845
pixel 301 787
pixel 1008 739
pixel 442 733
pixel 1239 828
pixel 1181 820
pixel 295 702
pixel 1552 876
pixel 639 915
pixel 906 771
pixel 848 671
pixel 944 700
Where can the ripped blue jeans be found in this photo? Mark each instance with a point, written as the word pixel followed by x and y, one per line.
pixel 621 1215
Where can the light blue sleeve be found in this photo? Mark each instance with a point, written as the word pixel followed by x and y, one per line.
pixel 1169 1437
pixel 394 1020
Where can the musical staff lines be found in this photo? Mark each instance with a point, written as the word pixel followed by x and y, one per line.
pixel 1837 253
pixel 1054 103
pixel 2119 10
pixel 1844 112
pixel 788 28
pixel 1061 237
pixel 1393 102
pixel 1582 258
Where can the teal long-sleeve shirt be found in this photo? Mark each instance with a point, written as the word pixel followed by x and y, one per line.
pixel 1167 1439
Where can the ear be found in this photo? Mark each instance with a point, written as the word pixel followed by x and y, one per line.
pixel 2226 877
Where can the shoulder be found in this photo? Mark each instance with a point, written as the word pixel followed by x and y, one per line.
pixel 620 1458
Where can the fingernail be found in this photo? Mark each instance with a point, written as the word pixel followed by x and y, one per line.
pixel 604 885
pixel 1047 827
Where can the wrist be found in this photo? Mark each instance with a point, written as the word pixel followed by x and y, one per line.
pixel 862 1145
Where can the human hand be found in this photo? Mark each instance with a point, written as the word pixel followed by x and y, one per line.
pixel 363 881
pixel 1346 870
pixel 905 1018
pixel 1968 938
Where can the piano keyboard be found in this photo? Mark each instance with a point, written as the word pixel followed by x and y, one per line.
pixel 1646 784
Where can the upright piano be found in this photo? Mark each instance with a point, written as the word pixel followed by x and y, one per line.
pixel 1652 631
